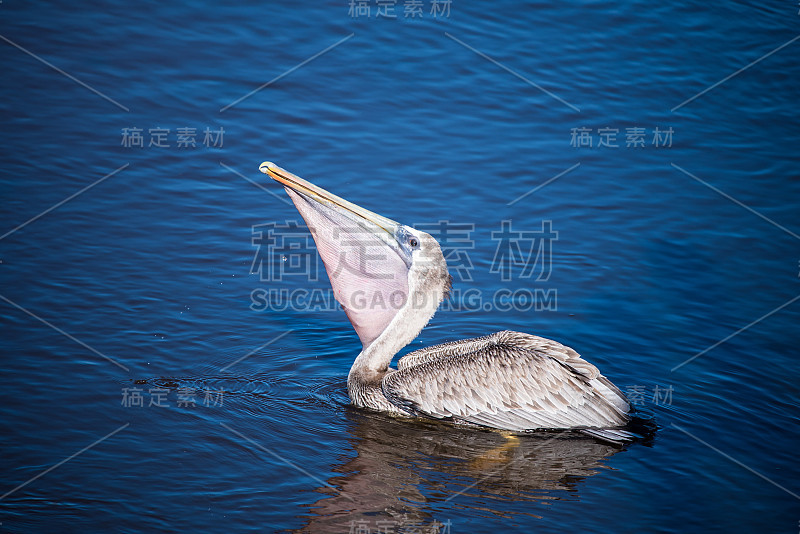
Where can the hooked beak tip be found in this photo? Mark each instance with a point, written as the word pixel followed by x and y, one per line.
pixel 267 166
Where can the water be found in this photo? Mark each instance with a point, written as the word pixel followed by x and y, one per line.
pixel 151 267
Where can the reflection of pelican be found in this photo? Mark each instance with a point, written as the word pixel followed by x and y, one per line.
pixel 390 279
pixel 419 473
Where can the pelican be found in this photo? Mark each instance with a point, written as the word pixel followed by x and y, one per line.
pixel 390 279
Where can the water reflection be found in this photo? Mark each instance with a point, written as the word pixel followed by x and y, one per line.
pixel 405 472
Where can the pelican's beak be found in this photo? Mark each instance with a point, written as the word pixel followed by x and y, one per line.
pixel 367 256
pixel 361 216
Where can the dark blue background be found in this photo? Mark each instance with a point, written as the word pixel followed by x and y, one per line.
pixel 152 266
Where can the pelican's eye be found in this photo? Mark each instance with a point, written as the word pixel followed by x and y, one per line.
pixel 413 241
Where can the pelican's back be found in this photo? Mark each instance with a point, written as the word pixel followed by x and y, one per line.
pixel 508 380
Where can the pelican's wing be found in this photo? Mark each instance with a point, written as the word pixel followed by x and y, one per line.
pixel 507 380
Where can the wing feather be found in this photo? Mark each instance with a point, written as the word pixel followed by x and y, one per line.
pixel 507 380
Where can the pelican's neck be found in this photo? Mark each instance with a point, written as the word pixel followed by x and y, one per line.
pixel 425 294
pixel 374 359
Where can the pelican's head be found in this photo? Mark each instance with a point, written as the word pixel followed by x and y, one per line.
pixel 388 277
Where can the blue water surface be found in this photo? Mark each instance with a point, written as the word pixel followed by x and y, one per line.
pixel 135 273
